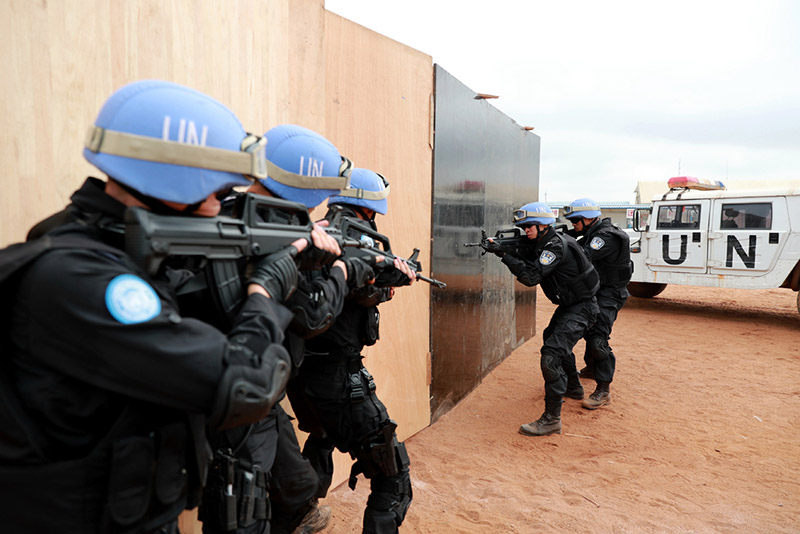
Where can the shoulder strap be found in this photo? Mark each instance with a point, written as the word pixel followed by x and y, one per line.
pixel 14 257
pixel 13 260
pixel 563 241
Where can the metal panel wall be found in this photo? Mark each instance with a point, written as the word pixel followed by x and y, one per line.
pixel 484 165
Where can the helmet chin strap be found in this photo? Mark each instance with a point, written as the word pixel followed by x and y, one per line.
pixel 157 206
pixel 360 211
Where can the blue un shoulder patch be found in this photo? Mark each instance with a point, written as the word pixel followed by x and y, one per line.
pixel 131 300
pixel 547 257
pixel 597 243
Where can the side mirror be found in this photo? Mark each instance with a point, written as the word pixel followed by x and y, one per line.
pixel 637 219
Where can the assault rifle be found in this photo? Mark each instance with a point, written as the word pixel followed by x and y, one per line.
pixel 257 226
pixel 374 244
pixel 511 240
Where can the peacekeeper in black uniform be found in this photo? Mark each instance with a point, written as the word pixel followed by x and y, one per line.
pixel 105 387
pixel 302 167
pixel 608 247
pixel 334 396
pixel 568 279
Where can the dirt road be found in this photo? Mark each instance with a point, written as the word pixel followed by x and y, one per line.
pixel 702 436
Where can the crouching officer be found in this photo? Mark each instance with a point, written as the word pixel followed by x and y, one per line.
pixel 105 387
pixel 334 395
pixel 568 279
pixel 608 247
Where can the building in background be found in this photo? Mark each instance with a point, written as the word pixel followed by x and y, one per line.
pixel 621 213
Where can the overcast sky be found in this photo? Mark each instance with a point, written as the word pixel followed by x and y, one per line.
pixel 618 90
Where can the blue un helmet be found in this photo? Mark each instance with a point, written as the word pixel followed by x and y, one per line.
pixel 534 213
pixel 303 166
pixel 581 208
pixel 172 143
pixel 367 189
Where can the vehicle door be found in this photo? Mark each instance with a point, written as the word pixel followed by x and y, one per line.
pixel 677 237
pixel 747 235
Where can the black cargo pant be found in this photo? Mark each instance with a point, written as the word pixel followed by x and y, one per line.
pixel 293 484
pixel 567 325
pixel 284 479
pixel 253 448
pixel 335 402
pixel 598 356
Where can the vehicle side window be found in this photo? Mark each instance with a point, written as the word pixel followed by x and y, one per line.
pixel 754 216
pixel 683 216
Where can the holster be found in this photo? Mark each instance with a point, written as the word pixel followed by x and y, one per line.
pixel 378 454
pixel 236 494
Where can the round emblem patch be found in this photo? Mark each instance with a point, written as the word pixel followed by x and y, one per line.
pixel 547 257
pixel 131 300
pixel 597 243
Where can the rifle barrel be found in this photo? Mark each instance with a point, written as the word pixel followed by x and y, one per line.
pixel 432 281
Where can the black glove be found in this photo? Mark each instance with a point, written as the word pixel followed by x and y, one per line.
pixel 494 248
pixel 313 258
pixel 359 271
pixel 392 277
pixel 277 273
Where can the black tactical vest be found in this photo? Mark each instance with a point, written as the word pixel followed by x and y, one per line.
pixel 616 269
pixel 565 290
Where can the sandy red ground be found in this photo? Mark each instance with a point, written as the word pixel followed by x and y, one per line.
pixel 702 436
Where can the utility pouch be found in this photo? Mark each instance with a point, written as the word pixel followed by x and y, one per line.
pixel 218 508
pixel 171 475
pixel 262 511
pixel 247 495
pixel 371 334
pixel 130 480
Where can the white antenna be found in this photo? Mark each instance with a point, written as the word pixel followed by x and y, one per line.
pixel 679 166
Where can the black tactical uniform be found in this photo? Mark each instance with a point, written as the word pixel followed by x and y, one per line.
pixel 568 279
pixel 608 247
pixel 335 401
pixel 105 384
pixel 284 482
pixel 294 484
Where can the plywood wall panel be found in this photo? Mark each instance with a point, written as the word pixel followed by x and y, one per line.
pixel 62 59
pixel 378 95
pixel 271 62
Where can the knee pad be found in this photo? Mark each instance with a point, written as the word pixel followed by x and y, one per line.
pixel 551 366
pixel 319 452
pixel 597 348
pixel 390 497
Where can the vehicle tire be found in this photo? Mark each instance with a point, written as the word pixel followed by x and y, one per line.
pixel 645 290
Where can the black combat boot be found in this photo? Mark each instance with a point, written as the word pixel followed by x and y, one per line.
pixel 574 387
pixel 548 423
pixel 600 397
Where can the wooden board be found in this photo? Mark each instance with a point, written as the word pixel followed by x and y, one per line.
pixel 271 62
pixel 378 98
pixel 61 60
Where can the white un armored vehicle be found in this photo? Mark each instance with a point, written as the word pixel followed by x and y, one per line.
pixel 699 234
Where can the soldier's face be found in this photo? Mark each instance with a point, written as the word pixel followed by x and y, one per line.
pixel 209 208
pixel 535 230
